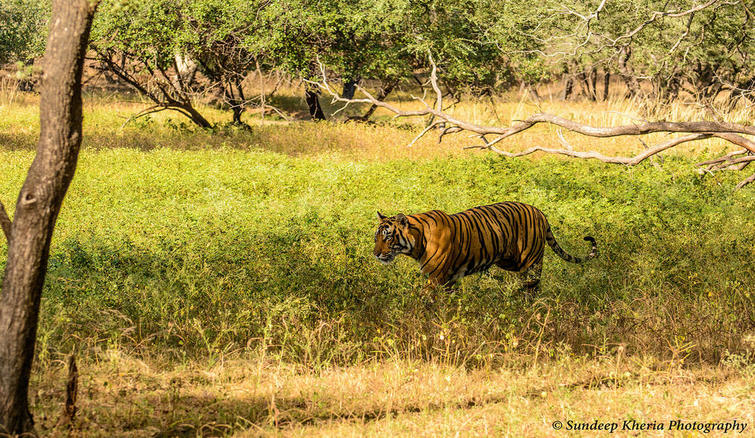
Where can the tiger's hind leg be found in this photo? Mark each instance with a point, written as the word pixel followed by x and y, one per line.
pixel 531 277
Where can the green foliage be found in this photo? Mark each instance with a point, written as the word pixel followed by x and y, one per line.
pixel 702 53
pixel 479 45
pixel 157 47
pixel 24 29
pixel 148 31
pixel 384 40
pixel 199 253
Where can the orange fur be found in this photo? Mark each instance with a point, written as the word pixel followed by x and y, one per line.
pixel 510 235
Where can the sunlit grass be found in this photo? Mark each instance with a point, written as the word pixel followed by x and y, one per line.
pixel 251 396
pixel 105 116
pixel 221 282
pixel 279 247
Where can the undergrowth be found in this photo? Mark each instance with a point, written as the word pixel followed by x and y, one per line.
pixel 196 254
pixel 191 245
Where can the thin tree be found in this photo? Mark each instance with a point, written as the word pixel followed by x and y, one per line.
pixel 37 207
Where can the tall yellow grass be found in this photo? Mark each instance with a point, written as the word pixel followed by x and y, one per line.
pixel 385 138
pixel 123 396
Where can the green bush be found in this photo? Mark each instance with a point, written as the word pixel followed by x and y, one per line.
pixel 197 253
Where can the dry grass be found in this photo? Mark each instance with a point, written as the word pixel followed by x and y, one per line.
pixel 250 394
pixel 123 396
pixel 384 139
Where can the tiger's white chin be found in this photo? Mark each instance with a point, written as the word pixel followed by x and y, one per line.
pixel 386 260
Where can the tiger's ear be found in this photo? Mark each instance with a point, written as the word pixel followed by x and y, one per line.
pixel 381 216
pixel 402 220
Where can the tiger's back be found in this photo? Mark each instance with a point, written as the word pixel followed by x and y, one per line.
pixel 510 235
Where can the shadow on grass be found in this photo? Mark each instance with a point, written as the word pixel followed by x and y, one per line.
pixel 191 415
pixel 18 142
pixel 169 412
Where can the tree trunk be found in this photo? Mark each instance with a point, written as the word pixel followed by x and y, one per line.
pixel 237 110
pixel 590 79
pixel 26 85
pixel 382 93
pixel 586 91
pixel 195 116
pixel 627 73
pixel 313 103
pixel 568 87
pixel 606 84
pixel 38 205
pixel 593 86
pixel 236 101
pixel 349 88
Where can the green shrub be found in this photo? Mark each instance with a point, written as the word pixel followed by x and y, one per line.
pixel 197 253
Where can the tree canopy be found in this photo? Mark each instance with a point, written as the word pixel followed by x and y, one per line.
pixel 172 51
pixel 23 31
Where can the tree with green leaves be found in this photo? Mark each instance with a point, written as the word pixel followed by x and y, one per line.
pixel 39 201
pixel 697 48
pixel 141 42
pixel 24 29
pixel 22 35
pixel 387 42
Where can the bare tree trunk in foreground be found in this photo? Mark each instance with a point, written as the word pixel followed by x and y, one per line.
pixel 38 205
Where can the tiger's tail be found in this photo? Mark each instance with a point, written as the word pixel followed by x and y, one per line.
pixel 569 258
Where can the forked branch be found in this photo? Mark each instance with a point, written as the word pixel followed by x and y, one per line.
pixel 694 130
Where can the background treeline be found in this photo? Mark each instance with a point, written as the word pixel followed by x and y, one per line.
pixel 176 51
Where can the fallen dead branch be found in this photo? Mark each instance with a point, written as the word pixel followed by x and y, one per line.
pixel 694 130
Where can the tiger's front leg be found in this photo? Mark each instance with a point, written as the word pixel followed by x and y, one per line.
pixel 435 282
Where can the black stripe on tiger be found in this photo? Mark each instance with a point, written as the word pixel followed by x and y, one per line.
pixel 564 255
pixel 510 235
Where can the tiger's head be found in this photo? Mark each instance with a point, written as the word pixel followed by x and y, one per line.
pixel 392 237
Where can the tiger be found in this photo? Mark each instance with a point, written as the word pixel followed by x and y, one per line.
pixel 510 235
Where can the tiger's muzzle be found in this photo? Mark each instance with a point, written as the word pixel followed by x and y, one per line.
pixel 384 258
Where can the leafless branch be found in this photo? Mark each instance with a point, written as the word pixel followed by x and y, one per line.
pixel 729 161
pixel 726 157
pixel 434 82
pixel 144 112
pixel 746 181
pixel 5 221
pixel 629 161
pixel 424 131
pixel 279 112
pixel 658 14
pixel 563 140
pixel 693 130
pixel 737 140
pixel 448 130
